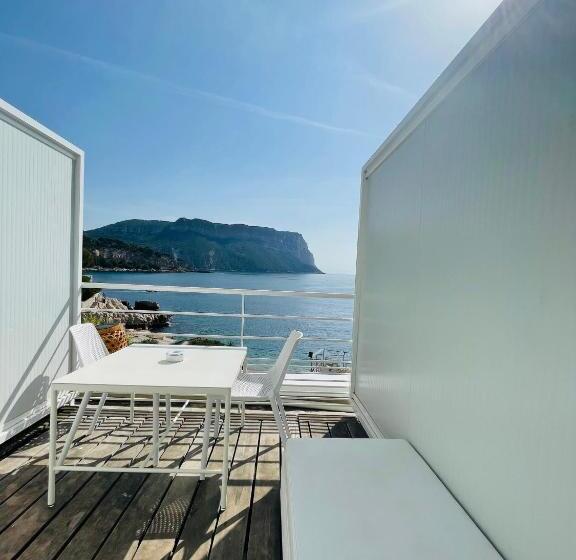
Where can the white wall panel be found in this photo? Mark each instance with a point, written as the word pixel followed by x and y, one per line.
pixel 466 312
pixel 38 245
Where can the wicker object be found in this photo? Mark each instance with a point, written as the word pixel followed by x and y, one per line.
pixel 113 336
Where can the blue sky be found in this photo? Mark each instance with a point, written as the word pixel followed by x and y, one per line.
pixel 244 111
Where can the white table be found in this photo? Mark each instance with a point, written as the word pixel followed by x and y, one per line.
pixel 143 369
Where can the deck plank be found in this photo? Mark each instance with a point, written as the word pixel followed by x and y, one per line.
pixel 195 539
pixel 125 537
pixel 23 455
pixel 18 468
pixel 160 536
pixel 88 538
pixel 232 524
pixel 37 514
pixel 28 493
pixel 265 538
pixel 150 517
pixel 16 480
pixel 61 529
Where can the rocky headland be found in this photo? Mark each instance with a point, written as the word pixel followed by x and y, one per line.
pixel 197 246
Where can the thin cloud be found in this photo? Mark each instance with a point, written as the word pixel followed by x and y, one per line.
pixel 181 90
pixel 388 87
pixel 368 12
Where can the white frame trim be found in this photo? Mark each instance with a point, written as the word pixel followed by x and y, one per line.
pixel 365 419
pixel 23 122
pixel 497 27
pixel 358 287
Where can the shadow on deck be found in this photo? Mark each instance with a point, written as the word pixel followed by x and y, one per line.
pixel 141 516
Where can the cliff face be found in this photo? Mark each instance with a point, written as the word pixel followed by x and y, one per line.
pixel 112 254
pixel 207 246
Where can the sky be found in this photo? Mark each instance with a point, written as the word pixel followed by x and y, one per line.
pixel 237 111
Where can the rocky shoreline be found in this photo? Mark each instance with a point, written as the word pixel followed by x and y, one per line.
pixel 142 321
pixel 120 269
pixel 110 310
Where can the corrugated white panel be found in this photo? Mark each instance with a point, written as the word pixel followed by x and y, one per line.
pixel 467 289
pixel 36 206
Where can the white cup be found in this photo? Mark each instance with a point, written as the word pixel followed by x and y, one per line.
pixel 174 355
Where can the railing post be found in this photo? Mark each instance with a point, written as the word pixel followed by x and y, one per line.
pixel 242 322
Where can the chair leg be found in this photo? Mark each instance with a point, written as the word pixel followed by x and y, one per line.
pixel 98 411
pixel 206 434
pixel 283 416
pixel 132 399
pixel 243 412
pixel 278 419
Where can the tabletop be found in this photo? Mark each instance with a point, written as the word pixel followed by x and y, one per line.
pixel 205 369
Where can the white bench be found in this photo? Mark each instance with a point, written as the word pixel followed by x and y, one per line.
pixel 363 499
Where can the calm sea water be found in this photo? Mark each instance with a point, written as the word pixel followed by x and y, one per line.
pixel 256 305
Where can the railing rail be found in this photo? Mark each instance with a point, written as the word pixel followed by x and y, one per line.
pixel 222 291
pixel 243 293
pixel 307 367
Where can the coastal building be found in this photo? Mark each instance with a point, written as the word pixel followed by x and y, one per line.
pixel 463 358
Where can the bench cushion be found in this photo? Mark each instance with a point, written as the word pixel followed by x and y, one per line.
pixel 371 499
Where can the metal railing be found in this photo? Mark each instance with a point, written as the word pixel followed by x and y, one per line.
pixel 314 372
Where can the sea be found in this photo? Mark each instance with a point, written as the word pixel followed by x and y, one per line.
pixel 207 326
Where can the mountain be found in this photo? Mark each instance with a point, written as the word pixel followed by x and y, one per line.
pixel 107 253
pixel 205 246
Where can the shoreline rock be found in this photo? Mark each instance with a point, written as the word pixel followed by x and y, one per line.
pixel 112 309
pixel 148 337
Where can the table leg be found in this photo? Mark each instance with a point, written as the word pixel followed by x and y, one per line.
pixel 75 424
pixel 52 449
pixel 216 425
pixel 156 429
pixel 168 413
pixel 98 411
pixel 132 399
pixel 206 434
pixel 225 456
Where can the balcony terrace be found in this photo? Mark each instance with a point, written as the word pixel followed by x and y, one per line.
pixel 111 515
pixel 461 364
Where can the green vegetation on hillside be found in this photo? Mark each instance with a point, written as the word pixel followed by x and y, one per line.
pixel 105 253
pixel 206 246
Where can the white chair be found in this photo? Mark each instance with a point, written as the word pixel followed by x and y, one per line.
pixel 88 343
pixel 91 348
pixel 260 387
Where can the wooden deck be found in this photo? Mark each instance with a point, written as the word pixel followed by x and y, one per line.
pixel 108 516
